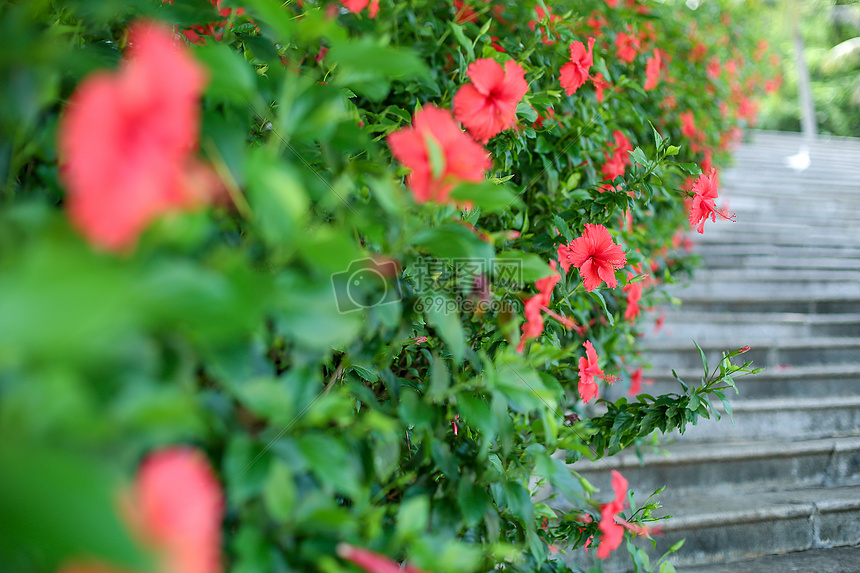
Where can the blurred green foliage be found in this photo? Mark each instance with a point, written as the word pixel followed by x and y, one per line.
pixel 830 30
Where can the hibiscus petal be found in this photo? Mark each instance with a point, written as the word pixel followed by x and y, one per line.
pixel 486 75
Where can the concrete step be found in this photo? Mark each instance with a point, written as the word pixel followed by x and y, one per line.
pixel 828 560
pixel 782 238
pixel 711 326
pixel 773 303
pixel 774 275
pixel 734 289
pixel 733 527
pixel 721 528
pixel 779 382
pixel 780 419
pixel 684 468
pixel 666 355
pixel 770 250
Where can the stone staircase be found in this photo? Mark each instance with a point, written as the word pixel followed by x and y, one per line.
pixel 784 481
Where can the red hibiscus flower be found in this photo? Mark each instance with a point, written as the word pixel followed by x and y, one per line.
pixel 612 168
pixel 652 71
pixel 574 73
pixel 126 141
pixel 175 508
pixel 688 126
pixel 533 327
pixel 626 46
pixel 595 255
pixel 613 533
pixel 772 85
pixel 588 371
pixel 596 22
pixel 356 6
pixel 634 295
pixel 617 158
pixel 697 53
pixel 488 105
pixel 460 158
pixel 714 69
pixel 372 562
pixel 703 206
pixel 636 382
pixel 600 84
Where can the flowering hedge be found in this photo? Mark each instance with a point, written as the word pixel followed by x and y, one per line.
pixel 323 285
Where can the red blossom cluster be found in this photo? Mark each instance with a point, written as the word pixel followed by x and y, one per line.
pixel 439 154
pixel 454 157
pixel 618 156
pixel 538 304
pixel 127 141
pixel 356 6
pixel 175 509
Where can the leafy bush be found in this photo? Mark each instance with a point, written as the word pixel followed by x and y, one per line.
pixel 208 246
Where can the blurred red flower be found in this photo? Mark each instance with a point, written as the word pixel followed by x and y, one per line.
pixel 634 295
pixel 626 46
pixel 652 71
pixel 588 371
pixel 439 154
pixel 488 105
pixel 126 141
pixel 595 255
pixel 175 508
pixel 574 73
pixel 613 533
pixel 533 327
pixel 618 157
pixel 372 562
pixel 356 6
pixel 600 84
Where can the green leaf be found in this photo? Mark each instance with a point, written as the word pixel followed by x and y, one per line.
pixel 412 517
pixel 703 358
pixel 563 228
pixel 231 78
pixel 527 112
pixel 331 463
pixel 278 200
pixel 453 241
pixel 522 386
pixel 487 195
pixel 726 404
pixel 365 66
pixel 58 506
pixel 596 294
pixel 532 267
pixel 443 316
pixel 436 155
pixel 463 40
pixel 440 379
pixel 279 492
pixel 474 502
